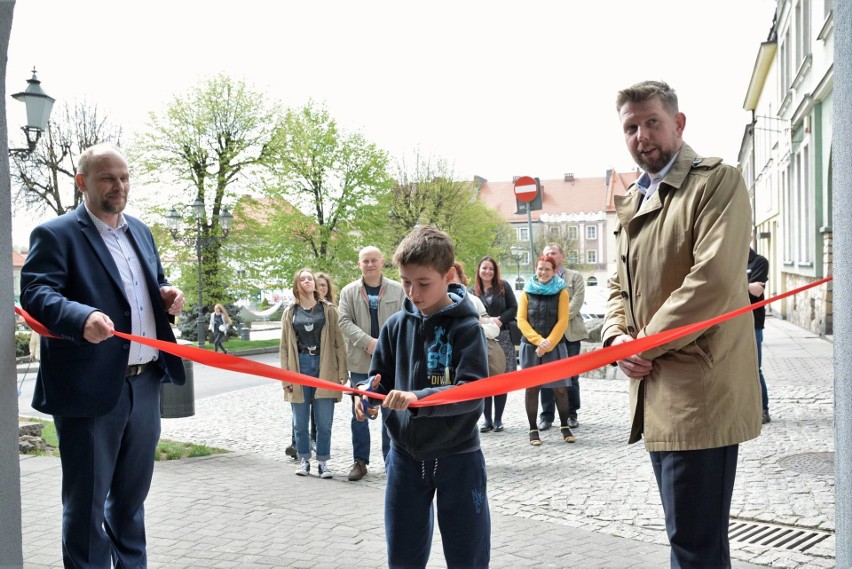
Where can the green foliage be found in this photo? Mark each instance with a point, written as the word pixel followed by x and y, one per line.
pixel 426 192
pixel 22 344
pixel 166 449
pixel 236 346
pixel 173 450
pixel 313 217
pixel 48 434
pixel 209 144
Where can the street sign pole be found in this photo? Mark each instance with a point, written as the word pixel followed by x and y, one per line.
pixel 526 190
pixel 529 229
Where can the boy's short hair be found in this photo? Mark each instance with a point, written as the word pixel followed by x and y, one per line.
pixel 426 247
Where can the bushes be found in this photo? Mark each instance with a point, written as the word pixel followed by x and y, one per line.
pixel 22 344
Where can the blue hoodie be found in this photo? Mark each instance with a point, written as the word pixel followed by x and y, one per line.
pixel 425 355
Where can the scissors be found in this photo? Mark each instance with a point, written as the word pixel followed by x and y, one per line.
pixel 366 402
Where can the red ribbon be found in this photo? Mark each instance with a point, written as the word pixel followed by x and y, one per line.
pixel 486 387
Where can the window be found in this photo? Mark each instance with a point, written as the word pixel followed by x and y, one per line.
pixel 573 233
pixel 591 257
pixel 591 281
pixel 787 205
pixel 591 232
pixel 803 30
pixel 523 233
pixel 784 70
pixel 573 256
pixel 554 231
pixel 804 202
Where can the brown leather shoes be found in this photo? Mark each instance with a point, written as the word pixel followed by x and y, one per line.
pixel 358 470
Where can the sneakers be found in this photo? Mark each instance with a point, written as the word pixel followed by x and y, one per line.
pixel 304 468
pixel 358 471
pixel 324 472
pixel 766 418
pixel 572 422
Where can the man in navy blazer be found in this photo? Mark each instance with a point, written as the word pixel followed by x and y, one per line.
pixel 88 273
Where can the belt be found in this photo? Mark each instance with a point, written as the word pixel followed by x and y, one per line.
pixel 136 369
pixel 310 350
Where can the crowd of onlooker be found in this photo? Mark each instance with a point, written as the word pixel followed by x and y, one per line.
pixel 333 336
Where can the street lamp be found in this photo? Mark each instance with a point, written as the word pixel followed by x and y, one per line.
pixel 39 104
pixel 173 221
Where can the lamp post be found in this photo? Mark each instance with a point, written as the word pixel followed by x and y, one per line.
pixel 39 104
pixel 173 221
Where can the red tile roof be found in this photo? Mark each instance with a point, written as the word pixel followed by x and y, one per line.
pixel 17 260
pixel 581 195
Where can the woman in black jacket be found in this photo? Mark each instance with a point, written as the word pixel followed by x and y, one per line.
pixel 499 300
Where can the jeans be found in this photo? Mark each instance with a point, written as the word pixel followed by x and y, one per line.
pixel 218 337
pixel 323 414
pixel 361 429
pixel 463 514
pixel 758 335
pixel 547 401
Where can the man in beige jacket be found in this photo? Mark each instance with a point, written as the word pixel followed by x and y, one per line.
pixel 680 253
pixel 574 334
pixel 365 305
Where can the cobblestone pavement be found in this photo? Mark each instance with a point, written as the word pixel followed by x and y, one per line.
pixel 590 504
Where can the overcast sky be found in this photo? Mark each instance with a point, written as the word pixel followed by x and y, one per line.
pixel 497 88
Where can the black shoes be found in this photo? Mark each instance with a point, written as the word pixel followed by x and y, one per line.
pixel 766 418
pixel 544 425
pixel 572 422
pixel 498 427
pixel 486 428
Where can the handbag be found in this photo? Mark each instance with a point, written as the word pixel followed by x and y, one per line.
pixel 515 333
pixel 496 358
pixel 223 327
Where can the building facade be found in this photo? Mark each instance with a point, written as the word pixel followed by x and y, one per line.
pixel 785 157
pixel 578 213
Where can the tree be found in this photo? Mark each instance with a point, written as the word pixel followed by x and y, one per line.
pixel 209 144
pixel 45 179
pixel 328 181
pixel 426 192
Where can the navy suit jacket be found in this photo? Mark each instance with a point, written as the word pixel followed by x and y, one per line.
pixel 68 274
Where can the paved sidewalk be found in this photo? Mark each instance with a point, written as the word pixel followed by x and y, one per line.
pixel 593 504
pixel 242 510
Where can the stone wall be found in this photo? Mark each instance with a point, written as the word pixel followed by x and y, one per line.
pixel 813 308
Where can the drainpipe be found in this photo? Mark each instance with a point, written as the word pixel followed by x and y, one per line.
pixel 754 178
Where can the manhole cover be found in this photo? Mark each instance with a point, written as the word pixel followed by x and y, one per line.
pixel 816 463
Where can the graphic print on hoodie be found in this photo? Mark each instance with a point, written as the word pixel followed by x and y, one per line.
pixel 426 355
pixel 439 358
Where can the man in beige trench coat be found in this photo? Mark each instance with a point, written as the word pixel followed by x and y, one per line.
pixel 680 253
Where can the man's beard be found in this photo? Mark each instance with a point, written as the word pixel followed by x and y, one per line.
pixel 109 207
pixel 654 166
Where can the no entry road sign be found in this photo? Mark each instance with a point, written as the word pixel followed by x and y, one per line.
pixel 525 189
